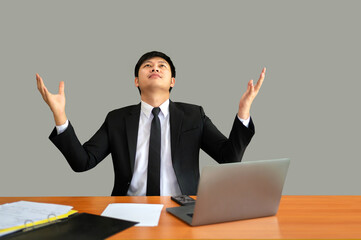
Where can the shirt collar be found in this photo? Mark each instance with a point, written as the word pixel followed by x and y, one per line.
pixel 147 109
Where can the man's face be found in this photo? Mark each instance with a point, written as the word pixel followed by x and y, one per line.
pixel 154 75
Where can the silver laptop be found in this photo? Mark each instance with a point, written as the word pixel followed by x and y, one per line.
pixel 234 191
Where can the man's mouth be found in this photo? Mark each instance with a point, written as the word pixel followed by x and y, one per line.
pixel 154 75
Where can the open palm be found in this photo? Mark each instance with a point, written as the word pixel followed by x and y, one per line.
pixel 56 102
pixel 248 97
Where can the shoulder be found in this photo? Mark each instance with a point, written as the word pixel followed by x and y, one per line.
pixel 186 106
pixel 189 110
pixel 124 111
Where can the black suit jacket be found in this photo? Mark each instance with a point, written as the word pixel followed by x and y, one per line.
pixel 190 130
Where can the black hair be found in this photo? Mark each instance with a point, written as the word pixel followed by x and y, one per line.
pixel 150 55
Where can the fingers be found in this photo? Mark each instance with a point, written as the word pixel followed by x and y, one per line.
pixel 260 80
pixel 40 84
pixel 42 89
pixel 38 81
pixel 45 94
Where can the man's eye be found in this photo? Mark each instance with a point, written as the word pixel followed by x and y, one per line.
pixel 147 65
pixel 162 65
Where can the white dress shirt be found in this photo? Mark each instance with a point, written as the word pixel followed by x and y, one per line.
pixel 168 181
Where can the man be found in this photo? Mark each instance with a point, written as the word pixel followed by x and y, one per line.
pixel 155 144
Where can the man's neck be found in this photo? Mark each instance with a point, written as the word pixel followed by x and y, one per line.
pixel 154 100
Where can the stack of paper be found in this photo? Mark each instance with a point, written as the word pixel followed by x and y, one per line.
pixel 18 215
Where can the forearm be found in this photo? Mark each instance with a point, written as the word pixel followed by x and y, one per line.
pixel 80 157
pixel 238 140
pixel 223 149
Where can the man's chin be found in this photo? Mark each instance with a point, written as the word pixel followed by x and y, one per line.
pixel 156 89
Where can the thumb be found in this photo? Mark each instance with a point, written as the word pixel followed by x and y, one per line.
pixel 249 85
pixel 61 88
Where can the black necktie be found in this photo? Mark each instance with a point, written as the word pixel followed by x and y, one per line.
pixel 153 179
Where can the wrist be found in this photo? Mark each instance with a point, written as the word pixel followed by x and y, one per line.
pixel 243 115
pixel 60 119
pixel 244 112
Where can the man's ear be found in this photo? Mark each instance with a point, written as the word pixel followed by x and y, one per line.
pixel 172 82
pixel 136 82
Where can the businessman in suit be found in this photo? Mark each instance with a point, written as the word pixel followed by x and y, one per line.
pixel 155 144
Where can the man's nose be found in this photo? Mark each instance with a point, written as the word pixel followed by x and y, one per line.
pixel 155 69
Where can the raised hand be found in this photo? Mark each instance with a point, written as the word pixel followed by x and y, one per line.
pixel 56 102
pixel 248 97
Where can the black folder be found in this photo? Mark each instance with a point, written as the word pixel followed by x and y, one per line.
pixel 77 226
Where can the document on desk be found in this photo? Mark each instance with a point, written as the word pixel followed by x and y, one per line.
pixel 17 213
pixel 146 214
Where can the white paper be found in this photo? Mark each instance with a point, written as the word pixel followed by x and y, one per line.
pixel 15 214
pixel 146 214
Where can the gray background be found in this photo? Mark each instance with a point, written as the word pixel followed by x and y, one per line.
pixel 307 108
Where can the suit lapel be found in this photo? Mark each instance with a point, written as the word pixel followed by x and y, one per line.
pixel 132 125
pixel 175 119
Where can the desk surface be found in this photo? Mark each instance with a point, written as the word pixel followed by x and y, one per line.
pixel 317 217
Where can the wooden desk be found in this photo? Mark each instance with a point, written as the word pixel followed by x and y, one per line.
pixel 317 217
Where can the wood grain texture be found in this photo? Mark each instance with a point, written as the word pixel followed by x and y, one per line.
pixel 299 217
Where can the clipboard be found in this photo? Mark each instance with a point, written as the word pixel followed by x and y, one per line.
pixel 76 226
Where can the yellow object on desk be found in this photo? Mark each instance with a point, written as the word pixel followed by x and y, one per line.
pixel 24 215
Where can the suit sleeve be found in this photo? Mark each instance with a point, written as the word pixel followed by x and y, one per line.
pixel 221 148
pixel 82 157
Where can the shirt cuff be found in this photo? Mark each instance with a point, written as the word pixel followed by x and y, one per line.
pixel 60 129
pixel 245 122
